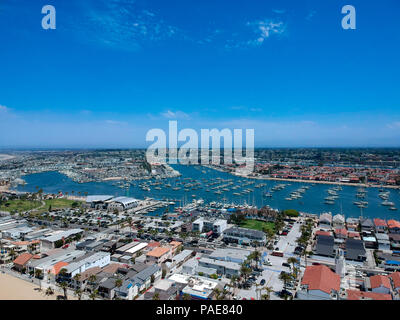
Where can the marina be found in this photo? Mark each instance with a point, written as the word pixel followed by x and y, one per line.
pixel 225 190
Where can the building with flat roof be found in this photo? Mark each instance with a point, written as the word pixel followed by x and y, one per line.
pixel 217 226
pixel 158 255
pixel 229 254
pixel 49 241
pixel 244 235
pixel 121 203
pixel 226 268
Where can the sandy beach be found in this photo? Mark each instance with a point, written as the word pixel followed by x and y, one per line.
pixel 12 288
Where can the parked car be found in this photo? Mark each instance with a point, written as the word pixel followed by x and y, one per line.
pixel 285 264
pixel 285 293
pixel 262 282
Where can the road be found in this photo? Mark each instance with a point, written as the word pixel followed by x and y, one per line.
pixel 286 244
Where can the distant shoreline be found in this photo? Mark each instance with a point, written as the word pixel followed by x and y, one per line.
pixel 322 182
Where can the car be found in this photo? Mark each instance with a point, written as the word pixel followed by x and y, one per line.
pixel 285 293
pixel 59 297
pixel 276 242
pixel 316 264
pixel 262 282
pixel 277 254
pixel 276 249
pixel 285 264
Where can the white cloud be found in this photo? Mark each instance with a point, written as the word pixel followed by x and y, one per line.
pixel 175 115
pixel 393 125
pixel 3 108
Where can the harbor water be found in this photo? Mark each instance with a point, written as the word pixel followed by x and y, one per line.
pixel 198 182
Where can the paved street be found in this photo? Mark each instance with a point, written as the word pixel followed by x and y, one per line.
pixel 286 244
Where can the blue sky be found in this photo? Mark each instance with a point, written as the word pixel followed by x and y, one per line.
pixel 114 69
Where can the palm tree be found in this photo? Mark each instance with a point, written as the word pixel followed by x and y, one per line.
pixel 118 283
pixel 267 295
pixel 292 261
pixel 49 291
pixel 244 270
pixel 285 277
pixel 78 293
pixel 64 286
pixel 94 295
pixel 93 281
pixel 77 277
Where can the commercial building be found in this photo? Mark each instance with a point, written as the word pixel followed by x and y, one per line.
pixel 205 225
pixel 244 236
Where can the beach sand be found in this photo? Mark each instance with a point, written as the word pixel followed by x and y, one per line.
pixel 12 288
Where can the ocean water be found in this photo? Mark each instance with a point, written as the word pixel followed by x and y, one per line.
pixel 312 201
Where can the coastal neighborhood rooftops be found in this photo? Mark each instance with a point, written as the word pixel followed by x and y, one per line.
pixel 366 295
pixel 379 281
pixel 62 234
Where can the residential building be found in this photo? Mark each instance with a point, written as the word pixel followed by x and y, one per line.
pixel 319 283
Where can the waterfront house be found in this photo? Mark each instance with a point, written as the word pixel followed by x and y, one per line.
pixel 325 220
pixel 338 221
pixel 393 226
pixel 319 283
pixel 366 224
pixel 380 225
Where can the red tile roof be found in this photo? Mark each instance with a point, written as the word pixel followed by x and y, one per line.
pixel 353 234
pixel 322 233
pixel 23 259
pixel 321 278
pixel 380 222
pixel 341 231
pixel 379 280
pixel 153 244
pixel 396 279
pixel 393 224
pixel 57 267
pixel 360 295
